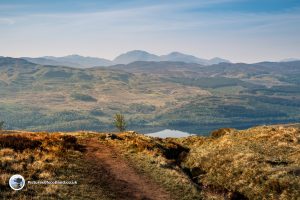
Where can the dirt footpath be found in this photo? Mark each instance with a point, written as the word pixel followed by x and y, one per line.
pixel 117 177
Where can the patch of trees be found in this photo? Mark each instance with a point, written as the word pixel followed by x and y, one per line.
pixel 83 97
pixel 243 112
pixel 211 82
pixel 141 108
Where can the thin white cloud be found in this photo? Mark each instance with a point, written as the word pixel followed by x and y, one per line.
pixel 166 17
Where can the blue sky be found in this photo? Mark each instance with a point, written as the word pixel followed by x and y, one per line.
pixel 239 30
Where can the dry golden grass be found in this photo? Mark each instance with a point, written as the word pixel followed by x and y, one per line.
pixel 258 163
pixel 38 157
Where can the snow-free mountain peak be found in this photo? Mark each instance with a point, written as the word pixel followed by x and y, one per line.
pixel 135 55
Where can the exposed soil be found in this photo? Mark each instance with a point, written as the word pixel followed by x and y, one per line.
pixel 114 173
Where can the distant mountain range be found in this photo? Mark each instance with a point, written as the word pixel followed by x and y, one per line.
pixel 126 58
pixel 138 55
pixel 76 61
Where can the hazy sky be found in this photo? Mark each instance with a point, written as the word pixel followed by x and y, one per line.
pixel 239 30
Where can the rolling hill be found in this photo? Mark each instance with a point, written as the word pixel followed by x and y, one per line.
pixel 76 61
pixel 152 95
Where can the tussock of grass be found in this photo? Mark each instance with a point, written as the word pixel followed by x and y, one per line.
pixel 18 143
pixel 221 132
pixel 168 149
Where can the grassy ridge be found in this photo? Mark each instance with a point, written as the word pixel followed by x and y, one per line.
pixel 257 163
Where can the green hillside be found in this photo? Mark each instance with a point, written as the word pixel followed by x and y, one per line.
pixel 151 95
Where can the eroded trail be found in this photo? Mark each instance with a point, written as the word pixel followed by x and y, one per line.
pixel 116 175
